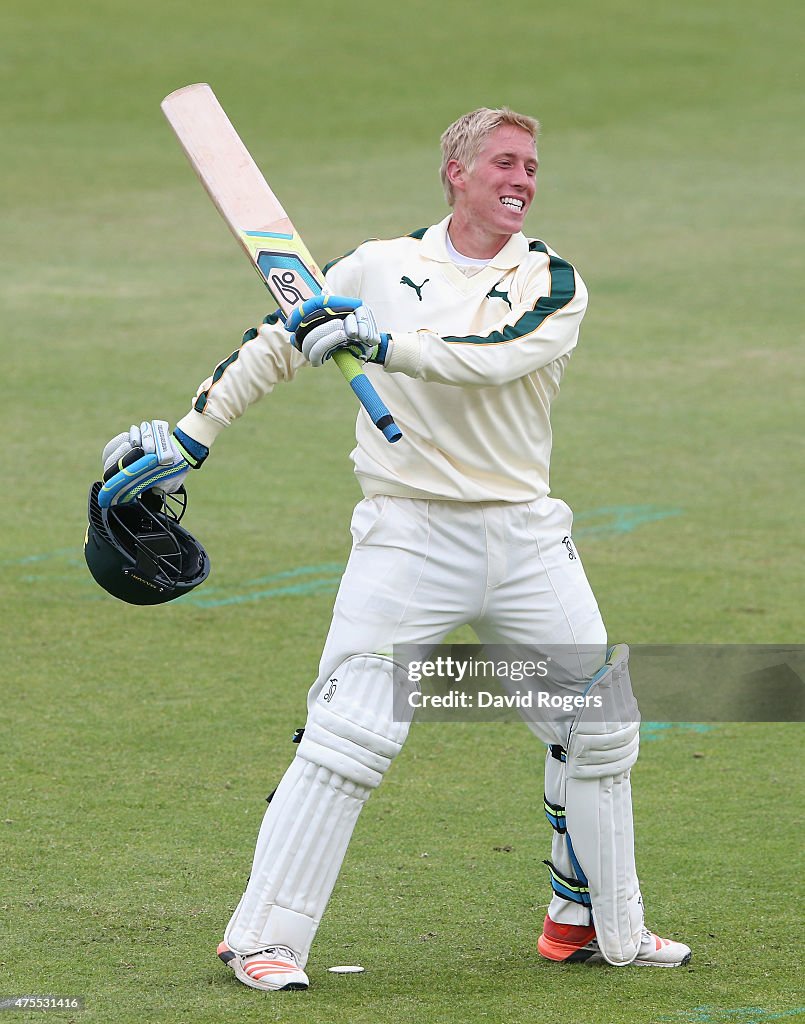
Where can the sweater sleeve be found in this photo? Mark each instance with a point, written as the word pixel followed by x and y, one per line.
pixel 263 359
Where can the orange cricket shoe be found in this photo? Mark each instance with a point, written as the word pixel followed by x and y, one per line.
pixel 573 943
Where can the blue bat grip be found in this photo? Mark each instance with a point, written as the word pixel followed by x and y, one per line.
pixel 376 407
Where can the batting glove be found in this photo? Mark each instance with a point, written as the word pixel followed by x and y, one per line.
pixel 325 323
pixel 147 458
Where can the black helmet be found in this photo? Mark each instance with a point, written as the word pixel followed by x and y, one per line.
pixel 139 553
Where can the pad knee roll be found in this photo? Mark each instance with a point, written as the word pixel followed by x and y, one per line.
pixel 605 736
pixel 351 728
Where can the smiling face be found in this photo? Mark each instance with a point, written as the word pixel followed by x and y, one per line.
pixel 493 194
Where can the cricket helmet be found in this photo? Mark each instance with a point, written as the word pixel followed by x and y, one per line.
pixel 139 553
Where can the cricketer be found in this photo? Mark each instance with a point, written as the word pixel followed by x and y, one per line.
pixel 465 329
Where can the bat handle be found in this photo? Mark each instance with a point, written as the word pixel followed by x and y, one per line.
pixel 368 397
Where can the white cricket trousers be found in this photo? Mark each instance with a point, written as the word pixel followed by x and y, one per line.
pixel 422 568
pixel 419 569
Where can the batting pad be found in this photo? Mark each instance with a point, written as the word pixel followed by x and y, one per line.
pixel 350 740
pixel 601 749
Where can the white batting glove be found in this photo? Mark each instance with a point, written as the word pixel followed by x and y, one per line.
pixel 325 323
pixel 319 343
pixel 357 333
pixel 361 328
pixel 145 458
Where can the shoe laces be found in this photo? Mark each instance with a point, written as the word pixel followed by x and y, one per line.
pixel 280 953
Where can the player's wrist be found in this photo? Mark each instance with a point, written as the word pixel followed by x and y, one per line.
pixel 203 427
pixel 192 451
pixel 380 354
pixel 403 353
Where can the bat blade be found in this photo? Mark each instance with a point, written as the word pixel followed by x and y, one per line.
pixel 243 197
pixel 258 221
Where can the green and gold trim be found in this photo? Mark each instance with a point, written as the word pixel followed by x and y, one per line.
pixel 562 291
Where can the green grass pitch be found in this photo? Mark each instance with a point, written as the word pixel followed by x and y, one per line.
pixel 138 745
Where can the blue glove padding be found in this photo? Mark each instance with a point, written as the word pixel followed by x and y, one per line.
pixel 315 311
pixel 146 458
pixel 325 323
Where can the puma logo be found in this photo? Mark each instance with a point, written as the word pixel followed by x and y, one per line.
pixel 495 294
pixel 417 287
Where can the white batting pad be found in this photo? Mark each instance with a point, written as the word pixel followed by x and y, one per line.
pixel 350 739
pixel 602 748
pixel 599 821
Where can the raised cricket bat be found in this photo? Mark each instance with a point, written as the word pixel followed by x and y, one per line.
pixel 234 183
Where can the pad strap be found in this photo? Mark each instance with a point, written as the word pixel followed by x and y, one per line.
pixel 555 814
pixel 571 889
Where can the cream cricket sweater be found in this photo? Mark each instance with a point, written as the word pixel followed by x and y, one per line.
pixel 474 363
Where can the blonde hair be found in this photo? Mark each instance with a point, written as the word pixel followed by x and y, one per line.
pixel 463 140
